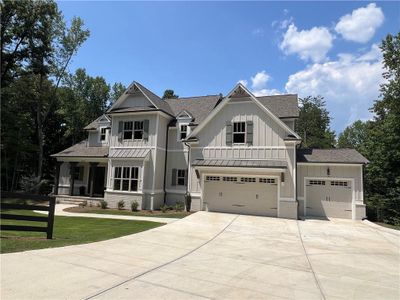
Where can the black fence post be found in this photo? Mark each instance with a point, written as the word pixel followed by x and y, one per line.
pixel 50 220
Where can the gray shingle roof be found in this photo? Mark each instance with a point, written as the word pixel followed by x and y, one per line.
pixel 283 106
pixel 131 153
pixel 158 102
pixel 239 163
pixel 198 107
pixel 96 123
pixel 330 156
pixel 82 150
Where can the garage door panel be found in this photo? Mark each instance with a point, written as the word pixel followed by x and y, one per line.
pixel 329 198
pixel 255 198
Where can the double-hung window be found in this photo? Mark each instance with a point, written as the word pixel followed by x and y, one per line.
pixel 126 179
pixel 183 130
pixel 128 130
pixel 103 134
pixel 138 130
pixel 133 130
pixel 239 132
pixel 181 177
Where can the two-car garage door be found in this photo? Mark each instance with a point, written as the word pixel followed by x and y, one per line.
pixel 329 198
pixel 241 194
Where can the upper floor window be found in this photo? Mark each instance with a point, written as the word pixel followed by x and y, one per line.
pixel 180 178
pixel 103 134
pixel 239 132
pixel 138 130
pixel 133 129
pixel 183 132
pixel 126 178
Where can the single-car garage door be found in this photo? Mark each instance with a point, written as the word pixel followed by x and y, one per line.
pixel 329 198
pixel 242 195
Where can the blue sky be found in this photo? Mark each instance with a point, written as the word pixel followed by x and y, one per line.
pixel 200 48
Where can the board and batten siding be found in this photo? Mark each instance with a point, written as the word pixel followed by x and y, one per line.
pixel 268 143
pixel 116 142
pixel 339 171
pixel 266 132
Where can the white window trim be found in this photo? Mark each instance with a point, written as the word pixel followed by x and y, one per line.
pixel 106 137
pixel 184 177
pixel 139 186
pixel 133 130
pixel 242 132
pixel 178 136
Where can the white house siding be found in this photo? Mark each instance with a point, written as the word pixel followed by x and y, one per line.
pixel 266 132
pixel 115 142
pixel 112 199
pixel 135 101
pixel 336 171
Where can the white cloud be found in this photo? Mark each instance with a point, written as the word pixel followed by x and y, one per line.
pixel 311 44
pixel 259 84
pixel 361 24
pixel 374 54
pixel 260 80
pixel 349 84
pixel 266 92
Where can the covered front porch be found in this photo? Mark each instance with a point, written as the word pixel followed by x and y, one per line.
pixel 83 178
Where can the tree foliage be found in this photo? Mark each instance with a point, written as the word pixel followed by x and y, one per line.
pixel 169 94
pixel 354 136
pixel 36 90
pixel 313 124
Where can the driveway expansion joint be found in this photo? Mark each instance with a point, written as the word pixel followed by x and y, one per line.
pixel 309 262
pixel 163 265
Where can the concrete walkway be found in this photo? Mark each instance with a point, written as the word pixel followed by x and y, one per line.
pixel 215 256
pixel 59 211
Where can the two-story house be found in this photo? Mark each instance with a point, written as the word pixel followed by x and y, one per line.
pixel 237 154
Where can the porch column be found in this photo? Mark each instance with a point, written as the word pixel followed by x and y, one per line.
pixel 72 166
pixel 57 177
pixel 93 167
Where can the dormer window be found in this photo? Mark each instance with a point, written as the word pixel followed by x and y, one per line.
pixel 239 132
pixel 103 134
pixel 183 131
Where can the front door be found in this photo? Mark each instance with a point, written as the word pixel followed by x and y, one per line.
pixel 98 180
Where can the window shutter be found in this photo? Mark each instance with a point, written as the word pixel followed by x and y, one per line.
pixel 146 130
pixel 120 126
pixel 249 133
pixel 228 128
pixel 173 182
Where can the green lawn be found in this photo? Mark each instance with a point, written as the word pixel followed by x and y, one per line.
pixel 67 231
pixel 108 211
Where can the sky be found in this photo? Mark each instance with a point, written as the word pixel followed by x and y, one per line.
pixel 202 48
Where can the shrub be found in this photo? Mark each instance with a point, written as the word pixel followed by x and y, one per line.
pixel 121 204
pixel 83 203
pixel 103 204
pixel 164 208
pixel 28 183
pixel 134 206
pixel 179 206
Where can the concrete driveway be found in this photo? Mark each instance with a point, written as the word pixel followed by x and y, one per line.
pixel 213 255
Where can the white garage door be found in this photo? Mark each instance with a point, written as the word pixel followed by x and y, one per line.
pixel 329 198
pixel 242 195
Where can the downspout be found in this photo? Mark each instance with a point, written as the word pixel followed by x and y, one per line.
pixel 189 169
pixel 165 165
